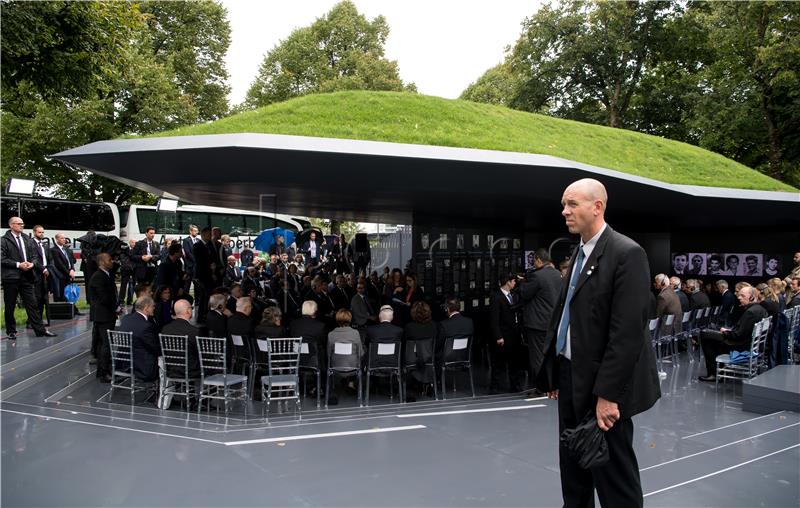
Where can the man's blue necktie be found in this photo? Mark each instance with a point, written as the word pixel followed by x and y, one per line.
pixel 561 339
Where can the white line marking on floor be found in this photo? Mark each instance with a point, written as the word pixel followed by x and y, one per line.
pixel 463 411
pixel 377 430
pixel 72 386
pixel 537 398
pixel 56 418
pixel 715 473
pixel 732 425
pixel 719 447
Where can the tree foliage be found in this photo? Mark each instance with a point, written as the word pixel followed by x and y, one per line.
pixel 78 72
pixel 723 75
pixel 342 50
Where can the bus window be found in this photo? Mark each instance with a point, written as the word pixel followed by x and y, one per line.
pixel 165 223
pixel 9 209
pixel 199 219
pixel 229 224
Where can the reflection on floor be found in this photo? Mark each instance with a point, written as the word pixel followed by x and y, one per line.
pixel 696 447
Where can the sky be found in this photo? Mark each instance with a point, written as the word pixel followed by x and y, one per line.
pixel 441 45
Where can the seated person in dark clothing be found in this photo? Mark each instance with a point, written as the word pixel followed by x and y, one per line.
pixel 216 320
pixel 736 339
pixel 384 331
pixel 181 326
pixel 270 325
pixel 146 348
pixel 307 326
pixel 241 323
pixel 456 325
pixel 421 327
pixel 236 293
pixel 163 312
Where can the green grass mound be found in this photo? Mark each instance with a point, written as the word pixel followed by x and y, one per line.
pixel 424 120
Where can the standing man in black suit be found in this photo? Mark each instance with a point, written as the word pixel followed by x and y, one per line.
pixel 20 261
pixel 539 295
pixel 188 256
pixel 203 272
pixel 727 300
pixel 145 256
pixel 63 266
pixel 44 274
pixel 599 359
pixel 505 342
pixel 102 314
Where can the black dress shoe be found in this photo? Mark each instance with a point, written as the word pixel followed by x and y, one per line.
pixel 47 333
pixel 12 336
pixel 709 379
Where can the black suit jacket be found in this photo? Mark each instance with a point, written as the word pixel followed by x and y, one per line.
pixel 11 255
pixel 182 327
pixel 169 274
pixel 217 324
pixel 539 296
pixel 239 324
pixel 610 344
pixel 202 264
pixel 139 250
pixel 188 254
pixel 699 300
pixel 742 332
pixel 309 329
pixel 232 275
pixel 269 330
pixel 504 318
pixel 146 348
pixel 340 298
pixel 384 332
pixel 62 265
pixel 728 303
pixel 102 293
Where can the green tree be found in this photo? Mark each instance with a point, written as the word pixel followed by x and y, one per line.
pixel 83 72
pixel 495 86
pixel 747 104
pixel 585 60
pixel 192 38
pixel 342 50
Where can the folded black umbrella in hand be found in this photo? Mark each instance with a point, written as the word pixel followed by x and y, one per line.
pixel 586 443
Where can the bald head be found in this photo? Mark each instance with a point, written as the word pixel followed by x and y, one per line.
pixel 183 309
pixel 584 205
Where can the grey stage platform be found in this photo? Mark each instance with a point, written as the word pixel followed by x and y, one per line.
pixel 777 389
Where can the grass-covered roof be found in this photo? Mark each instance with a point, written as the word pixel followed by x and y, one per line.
pixel 419 119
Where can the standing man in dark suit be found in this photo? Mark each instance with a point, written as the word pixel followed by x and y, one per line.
pixel 44 274
pixel 146 347
pixel 539 295
pixel 63 266
pixel 727 300
pixel 505 342
pixel 203 273
pixel 20 261
pixel 188 256
pixel 599 359
pixel 102 314
pixel 145 256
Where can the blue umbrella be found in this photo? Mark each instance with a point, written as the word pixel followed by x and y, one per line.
pixel 269 237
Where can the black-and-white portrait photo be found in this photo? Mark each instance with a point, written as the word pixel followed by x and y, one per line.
pixel 476 241
pixel 680 263
pixel 529 259
pixel 715 264
pixel 697 263
pixel 460 242
pixel 772 267
pixel 753 265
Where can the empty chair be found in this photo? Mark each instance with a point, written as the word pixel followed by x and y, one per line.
pixel 174 351
pixel 344 359
pixel 121 344
pixel 216 383
pixel 655 330
pixel 457 355
pixel 419 356
pixel 283 375
pixel 384 359
pixel 685 333
pixel 698 321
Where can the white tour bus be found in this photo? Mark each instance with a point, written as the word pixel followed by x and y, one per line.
pixel 72 218
pixel 243 226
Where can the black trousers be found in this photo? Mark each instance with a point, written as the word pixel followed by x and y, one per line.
pixel 101 348
pixel 535 341
pixel 25 289
pixel 507 360
pixel 712 343
pixel 617 482
pixel 42 296
pixel 58 289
